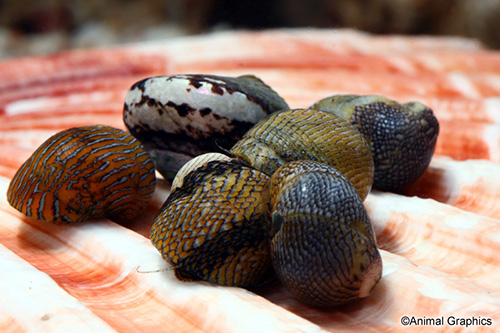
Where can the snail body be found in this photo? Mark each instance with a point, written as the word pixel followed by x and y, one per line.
pixel 307 134
pixel 323 246
pixel 178 117
pixel 83 173
pixel 212 227
pixel 402 136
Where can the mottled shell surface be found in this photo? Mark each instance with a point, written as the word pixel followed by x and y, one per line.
pixel 213 227
pixel 324 248
pixel 402 136
pixel 306 134
pixel 83 173
pixel 182 116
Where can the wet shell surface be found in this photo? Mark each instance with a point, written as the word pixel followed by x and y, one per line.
pixel 213 227
pixel 83 173
pixel 178 117
pixel 306 134
pixel 402 136
pixel 324 248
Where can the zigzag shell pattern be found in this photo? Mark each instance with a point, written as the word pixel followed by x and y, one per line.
pixel 439 240
pixel 213 227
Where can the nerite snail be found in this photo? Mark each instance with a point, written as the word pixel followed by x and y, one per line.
pixel 178 117
pixel 307 134
pixel 289 196
pixel 83 173
pixel 402 136
pixel 323 246
pixel 226 222
pixel 213 225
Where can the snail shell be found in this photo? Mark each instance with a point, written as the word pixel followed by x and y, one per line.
pixel 308 135
pixel 324 249
pixel 181 116
pixel 402 136
pixel 213 226
pixel 83 173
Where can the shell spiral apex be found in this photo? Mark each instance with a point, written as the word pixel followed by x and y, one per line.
pixel 193 165
pixel 83 173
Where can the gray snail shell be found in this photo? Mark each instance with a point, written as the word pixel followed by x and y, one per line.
pixel 178 117
pixel 402 136
pixel 213 226
pixel 306 134
pixel 323 246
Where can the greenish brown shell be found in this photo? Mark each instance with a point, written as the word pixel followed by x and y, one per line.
pixel 305 134
pixel 213 227
pixel 323 246
pixel 402 136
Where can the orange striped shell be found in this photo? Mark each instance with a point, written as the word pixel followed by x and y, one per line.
pixel 82 173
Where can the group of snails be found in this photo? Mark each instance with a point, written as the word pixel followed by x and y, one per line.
pixel 259 189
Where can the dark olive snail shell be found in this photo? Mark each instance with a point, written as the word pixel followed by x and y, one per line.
pixel 324 248
pixel 402 136
pixel 83 173
pixel 213 225
pixel 306 134
pixel 178 117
